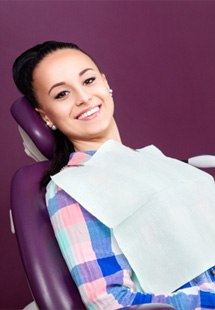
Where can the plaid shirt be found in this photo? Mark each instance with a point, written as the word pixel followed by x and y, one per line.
pixel 99 268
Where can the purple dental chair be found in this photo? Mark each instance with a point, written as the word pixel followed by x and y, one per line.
pixel 48 277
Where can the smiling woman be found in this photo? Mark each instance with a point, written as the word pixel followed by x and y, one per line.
pixel 73 97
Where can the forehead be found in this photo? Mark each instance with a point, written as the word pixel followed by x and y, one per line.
pixel 60 60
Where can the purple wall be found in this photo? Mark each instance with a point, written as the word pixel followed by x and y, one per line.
pixel 159 57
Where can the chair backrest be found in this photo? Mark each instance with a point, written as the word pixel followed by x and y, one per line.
pixel 33 129
pixel 48 276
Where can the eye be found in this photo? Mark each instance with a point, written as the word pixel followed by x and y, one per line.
pixel 61 94
pixel 89 81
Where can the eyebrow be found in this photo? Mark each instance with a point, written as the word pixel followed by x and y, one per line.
pixel 63 83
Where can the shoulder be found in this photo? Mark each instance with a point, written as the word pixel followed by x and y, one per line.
pixel 51 190
pixel 57 198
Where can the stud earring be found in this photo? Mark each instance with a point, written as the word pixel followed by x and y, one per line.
pixel 111 92
pixel 53 127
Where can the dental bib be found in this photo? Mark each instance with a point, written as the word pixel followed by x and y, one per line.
pixel 161 211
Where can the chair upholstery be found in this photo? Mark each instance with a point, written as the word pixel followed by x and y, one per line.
pixel 47 273
pixel 30 121
pixel 48 276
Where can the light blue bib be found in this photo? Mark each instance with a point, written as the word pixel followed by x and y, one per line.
pixel 161 211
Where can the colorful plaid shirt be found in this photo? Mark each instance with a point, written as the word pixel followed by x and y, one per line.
pixel 99 268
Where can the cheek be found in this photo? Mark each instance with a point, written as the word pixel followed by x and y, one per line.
pixel 106 96
pixel 57 111
pixel 110 102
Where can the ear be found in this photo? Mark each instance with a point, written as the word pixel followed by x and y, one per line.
pixel 105 80
pixel 43 116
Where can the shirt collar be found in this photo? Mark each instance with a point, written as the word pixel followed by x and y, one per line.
pixel 79 158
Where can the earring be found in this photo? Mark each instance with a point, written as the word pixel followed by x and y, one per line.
pixel 111 92
pixel 53 127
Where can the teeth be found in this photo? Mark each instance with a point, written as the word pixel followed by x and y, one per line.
pixel 88 113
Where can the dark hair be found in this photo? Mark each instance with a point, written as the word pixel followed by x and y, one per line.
pixel 23 69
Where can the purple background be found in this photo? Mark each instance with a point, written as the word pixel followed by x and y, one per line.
pixel 159 57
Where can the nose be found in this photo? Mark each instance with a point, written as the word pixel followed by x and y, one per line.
pixel 83 97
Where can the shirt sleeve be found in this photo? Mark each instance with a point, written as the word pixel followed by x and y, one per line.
pixel 98 267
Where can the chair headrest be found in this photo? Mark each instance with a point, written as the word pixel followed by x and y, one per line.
pixel 33 126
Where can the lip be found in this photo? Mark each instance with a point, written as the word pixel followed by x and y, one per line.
pixel 88 110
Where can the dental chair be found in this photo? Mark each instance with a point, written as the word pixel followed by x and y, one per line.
pixel 48 277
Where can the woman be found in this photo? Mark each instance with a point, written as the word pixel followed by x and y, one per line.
pixel 73 98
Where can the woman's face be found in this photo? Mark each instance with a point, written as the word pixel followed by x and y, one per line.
pixel 73 95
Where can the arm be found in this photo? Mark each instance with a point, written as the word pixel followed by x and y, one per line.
pixel 97 265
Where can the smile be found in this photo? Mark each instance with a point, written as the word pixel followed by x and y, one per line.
pixel 88 113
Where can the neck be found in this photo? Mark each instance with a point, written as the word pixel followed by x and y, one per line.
pixel 95 142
